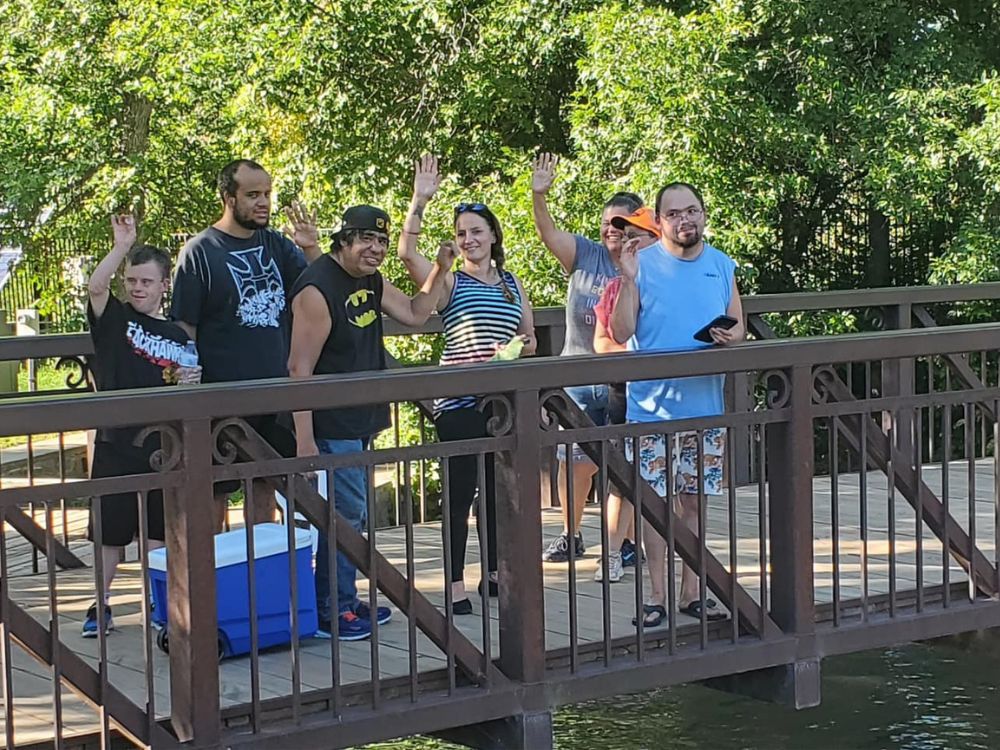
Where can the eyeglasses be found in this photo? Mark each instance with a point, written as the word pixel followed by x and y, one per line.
pixel 461 208
pixel 687 213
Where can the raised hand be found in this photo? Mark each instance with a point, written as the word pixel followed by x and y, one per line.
pixel 543 173
pixel 123 231
pixel 301 228
pixel 448 253
pixel 426 179
pixel 628 261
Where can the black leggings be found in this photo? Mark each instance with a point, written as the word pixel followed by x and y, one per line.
pixel 463 480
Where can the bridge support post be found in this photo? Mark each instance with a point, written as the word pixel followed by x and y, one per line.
pixel 790 524
pixel 193 629
pixel 532 731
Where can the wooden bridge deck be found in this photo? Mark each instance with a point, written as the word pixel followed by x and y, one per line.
pixel 126 669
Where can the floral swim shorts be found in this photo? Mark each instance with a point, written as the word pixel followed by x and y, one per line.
pixel 683 461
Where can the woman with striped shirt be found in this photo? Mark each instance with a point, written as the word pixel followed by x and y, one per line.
pixel 483 308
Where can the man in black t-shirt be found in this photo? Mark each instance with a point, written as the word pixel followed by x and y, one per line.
pixel 134 347
pixel 337 306
pixel 230 293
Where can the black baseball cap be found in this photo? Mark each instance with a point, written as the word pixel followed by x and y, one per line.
pixel 365 218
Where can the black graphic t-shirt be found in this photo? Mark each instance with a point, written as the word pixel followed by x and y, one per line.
pixel 354 344
pixel 234 291
pixel 131 350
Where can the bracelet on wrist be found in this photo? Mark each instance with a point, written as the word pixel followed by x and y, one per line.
pixel 407 231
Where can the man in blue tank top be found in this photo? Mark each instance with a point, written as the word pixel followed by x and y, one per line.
pixel 668 293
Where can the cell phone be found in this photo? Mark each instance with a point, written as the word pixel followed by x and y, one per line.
pixel 723 321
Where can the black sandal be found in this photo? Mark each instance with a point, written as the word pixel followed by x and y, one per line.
pixel 693 609
pixel 461 607
pixel 494 588
pixel 658 613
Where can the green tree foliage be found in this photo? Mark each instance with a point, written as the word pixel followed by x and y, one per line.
pixel 787 114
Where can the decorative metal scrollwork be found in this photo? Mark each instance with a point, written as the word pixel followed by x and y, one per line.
pixel 224 449
pixel 779 388
pixel 168 455
pixel 78 377
pixel 549 400
pixel 824 378
pixel 501 414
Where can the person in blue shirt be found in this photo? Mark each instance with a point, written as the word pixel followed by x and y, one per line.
pixel 668 293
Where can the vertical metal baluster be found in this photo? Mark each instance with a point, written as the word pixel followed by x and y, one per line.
pixel 5 654
pixel 482 529
pixel 411 587
pixel 449 648
pixel 62 479
pixel 102 646
pixel 733 550
pixel 602 489
pixel 668 470
pixel 865 418
pixel 835 513
pixel 930 410
pixel 571 571
pixel 918 470
pixel 996 491
pixel 331 571
pixel 293 597
pixel 637 519
pixel 397 478
pixel 890 471
pixel 373 590
pixel 970 458
pixel 50 568
pixel 945 511
pixel 423 472
pixel 762 527
pixel 982 415
pixel 251 541
pixel 702 529
pixel 145 620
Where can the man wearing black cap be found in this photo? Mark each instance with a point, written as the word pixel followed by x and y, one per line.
pixel 229 294
pixel 337 306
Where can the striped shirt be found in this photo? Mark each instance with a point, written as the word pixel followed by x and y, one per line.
pixel 477 318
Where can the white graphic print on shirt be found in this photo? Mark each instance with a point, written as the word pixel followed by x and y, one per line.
pixel 151 346
pixel 262 295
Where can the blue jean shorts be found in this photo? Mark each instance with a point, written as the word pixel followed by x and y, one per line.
pixel 593 401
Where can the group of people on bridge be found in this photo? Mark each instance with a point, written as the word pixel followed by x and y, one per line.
pixel 249 302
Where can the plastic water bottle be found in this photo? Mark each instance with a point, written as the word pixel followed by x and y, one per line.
pixel 188 357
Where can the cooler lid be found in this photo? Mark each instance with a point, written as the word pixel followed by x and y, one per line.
pixel 231 547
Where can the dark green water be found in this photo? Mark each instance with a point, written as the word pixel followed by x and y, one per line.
pixel 920 697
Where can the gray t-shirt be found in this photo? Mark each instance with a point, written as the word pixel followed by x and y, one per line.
pixel 592 270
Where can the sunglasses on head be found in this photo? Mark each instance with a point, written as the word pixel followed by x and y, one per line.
pixel 461 208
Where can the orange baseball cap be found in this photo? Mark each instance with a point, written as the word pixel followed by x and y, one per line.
pixel 644 218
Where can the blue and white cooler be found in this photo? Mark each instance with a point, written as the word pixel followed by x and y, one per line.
pixel 274 622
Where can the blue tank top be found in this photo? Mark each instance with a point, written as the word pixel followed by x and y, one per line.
pixel 677 298
pixel 477 318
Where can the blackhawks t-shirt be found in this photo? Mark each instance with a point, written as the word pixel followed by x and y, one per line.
pixel 234 291
pixel 131 350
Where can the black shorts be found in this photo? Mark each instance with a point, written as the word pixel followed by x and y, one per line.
pixel 120 512
pixel 269 427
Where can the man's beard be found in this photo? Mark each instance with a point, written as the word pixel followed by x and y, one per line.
pixel 691 241
pixel 247 220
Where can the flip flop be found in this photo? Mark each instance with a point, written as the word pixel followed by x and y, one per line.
pixel 711 613
pixel 659 615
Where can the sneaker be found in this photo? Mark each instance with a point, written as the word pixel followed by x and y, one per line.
pixel 628 554
pixel 558 550
pixel 615 570
pixel 90 624
pixel 350 627
pixel 384 613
